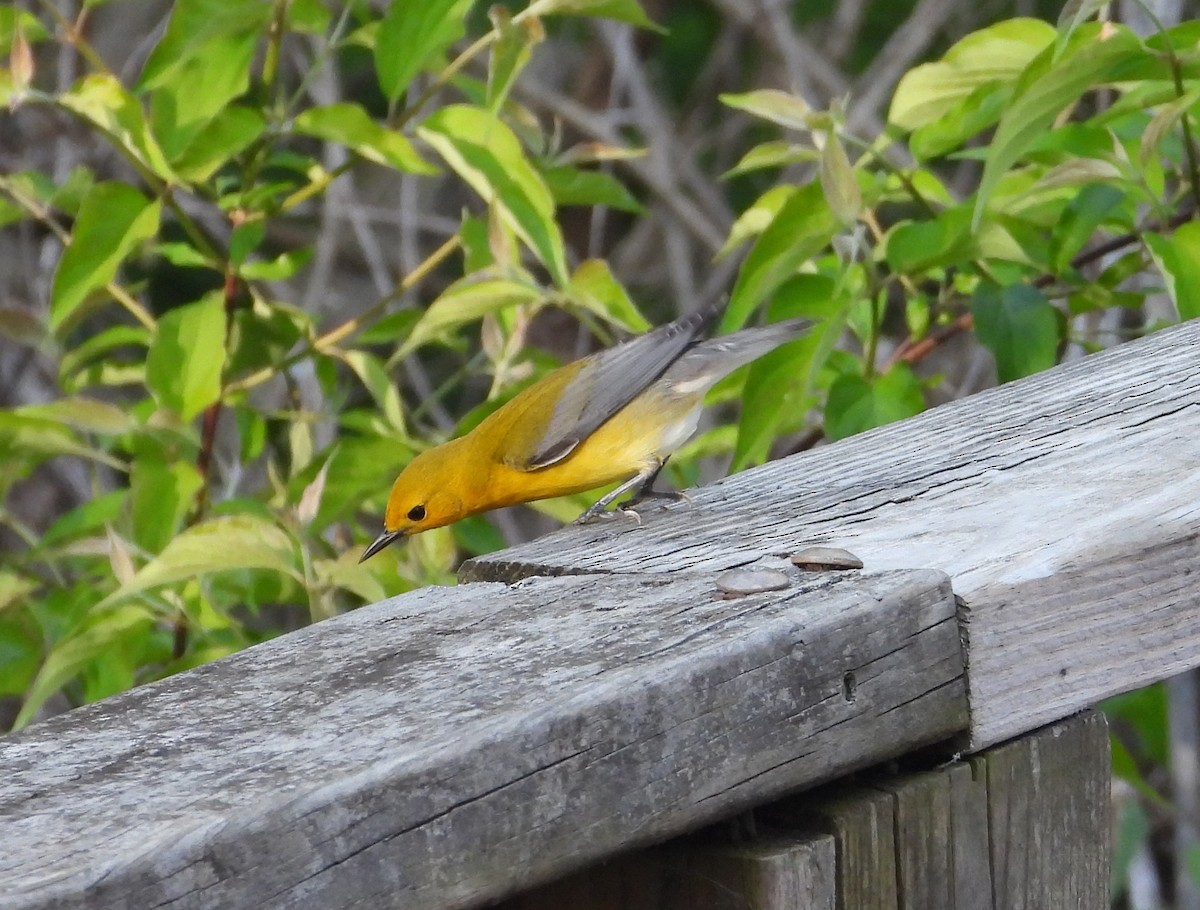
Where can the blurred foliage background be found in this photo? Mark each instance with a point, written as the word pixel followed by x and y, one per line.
pixel 258 253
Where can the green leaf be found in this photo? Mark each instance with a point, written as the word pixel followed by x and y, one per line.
pixel 106 344
pixel 347 573
pixel 20 645
pixel 756 218
pixel 161 495
pixel 230 132
pixel 1163 123
pixel 285 265
pixel 88 415
pixel 391 328
pixel 770 155
pixel 997 53
pixel 779 386
pixel 185 256
pixel 219 544
pixel 838 181
pixel 360 472
pixel 70 656
pixel 13 590
pixel 308 16
pixel 377 381
pixel 200 65
pixel 411 35
pixel 594 287
pixel 1075 12
pixel 572 186
pixel 975 113
pixel 789 111
pixel 10 212
pixel 350 125
pixel 1019 326
pixel 252 431
pixel 263 334
pixel 1094 58
pixel 1178 258
pixel 101 100
pixel 34 438
pixel 487 155
pixel 1079 220
pixel 85 519
pixel 801 229
pixel 69 194
pixel 183 366
pixel 619 10
pixel 31 28
pixel 467 300
pixel 1078 172
pixel 856 404
pixel 510 53
pixel 771 397
pixel 917 246
pixel 113 219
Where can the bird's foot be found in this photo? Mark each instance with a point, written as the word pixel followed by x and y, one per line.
pixel 600 511
pixel 663 495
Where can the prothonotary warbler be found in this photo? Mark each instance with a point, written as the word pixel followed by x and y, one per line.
pixel 614 415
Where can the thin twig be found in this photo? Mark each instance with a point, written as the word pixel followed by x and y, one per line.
pixel 350 326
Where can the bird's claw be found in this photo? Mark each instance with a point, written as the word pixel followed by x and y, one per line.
pixel 605 515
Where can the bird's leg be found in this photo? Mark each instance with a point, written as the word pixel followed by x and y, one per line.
pixel 638 480
pixel 647 491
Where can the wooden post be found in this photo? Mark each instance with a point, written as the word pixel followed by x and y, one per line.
pixel 1022 826
pixel 794 872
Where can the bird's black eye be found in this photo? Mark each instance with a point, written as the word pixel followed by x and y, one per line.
pixel 416 513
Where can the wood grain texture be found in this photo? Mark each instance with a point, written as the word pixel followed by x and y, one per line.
pixel 1023 825
pixel 862 823
pixel 781 873
pixel 1065 507
pixel 942 847
pixel 452 745
pixel 1050 819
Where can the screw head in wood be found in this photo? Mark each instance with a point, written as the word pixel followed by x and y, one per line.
pixel 740 582
pixel 825 559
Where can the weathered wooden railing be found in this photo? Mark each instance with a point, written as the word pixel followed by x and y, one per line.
pixel 1028 552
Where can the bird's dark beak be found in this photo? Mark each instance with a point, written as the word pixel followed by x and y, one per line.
pixel 379 543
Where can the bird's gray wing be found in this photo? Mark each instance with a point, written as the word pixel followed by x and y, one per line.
pixel 609 380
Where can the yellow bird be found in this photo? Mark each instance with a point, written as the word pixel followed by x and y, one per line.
pixel 614 415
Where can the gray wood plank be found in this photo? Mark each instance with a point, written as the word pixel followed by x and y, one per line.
pixel 970 838
pixel 924 839
pixel 777 873
pixel 941 838
pixel 1020 826
pixel 1062 506
pixel 862 822
pixel 449 746
pixel 1050 826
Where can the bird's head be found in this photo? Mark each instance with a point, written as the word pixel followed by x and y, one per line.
pixel 427 494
